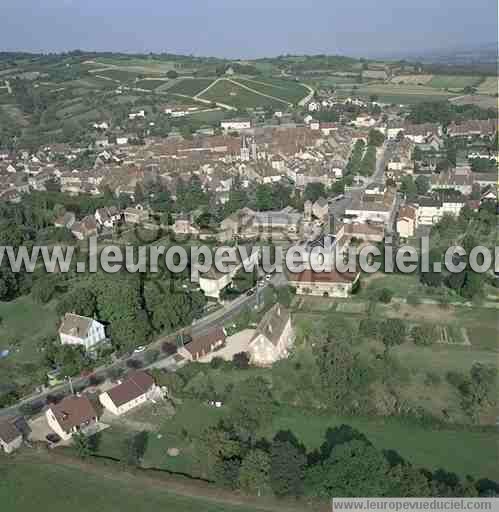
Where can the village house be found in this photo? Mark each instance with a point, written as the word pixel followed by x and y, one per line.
pixel 138 388
pixel 184 226
pixel 406 221
pixel 108 217
pixel 473 128
pixel 81 330
pixel 370 211
pixel 273 338
pixel 431 211
pixel 349 231
pixel 236 125
pixel 323 284
pixel 85 228
pixel 247 224
pixel 11 437
pixel 66 220
pixel 460 179
pixel 213 282
pixel 136 215
pixel 202 345
pixel 71 415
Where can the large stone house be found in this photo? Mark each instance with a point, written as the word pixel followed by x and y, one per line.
pixel 324 284
pixel 71 415
pixel 81 330
pixel 85 228
pixel 135 390
pixel 200 346
pixel 273 338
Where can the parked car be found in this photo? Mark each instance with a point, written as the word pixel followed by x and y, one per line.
pixel 53 438
pixel 139 349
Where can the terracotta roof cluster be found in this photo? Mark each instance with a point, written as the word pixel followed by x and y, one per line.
pixel 74 411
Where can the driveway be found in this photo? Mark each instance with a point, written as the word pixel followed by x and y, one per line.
pixel 233 345
pixel 39 428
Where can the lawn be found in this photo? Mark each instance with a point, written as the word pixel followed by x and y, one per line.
pixel 190 86
pixel 30 485
pixel 24 322
pixel 462 452
pixel 238 97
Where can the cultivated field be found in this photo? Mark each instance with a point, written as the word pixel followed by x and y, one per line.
pixel 230 93
pixel 190 86
pixel 453 82
pixel 412 79
pixel 284 90
pixel 403 93
pixel 489 86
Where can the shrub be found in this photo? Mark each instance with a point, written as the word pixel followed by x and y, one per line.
pixel 385 295
pixel 423 335
pixel 241 360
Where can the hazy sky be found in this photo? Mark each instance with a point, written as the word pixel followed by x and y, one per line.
pixel 249 28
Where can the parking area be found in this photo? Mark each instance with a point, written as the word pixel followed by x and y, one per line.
pixel 39 428
pixel 233 345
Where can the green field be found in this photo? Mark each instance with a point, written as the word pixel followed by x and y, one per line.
pixel 240 98
pixel 149 85
pixel 452 82
pixel 29 485
pixel 190 86
pixel 282 89
pixel 489 86
pixel 460 451
pixel 119 75
pixel 24 323
pixel 401 93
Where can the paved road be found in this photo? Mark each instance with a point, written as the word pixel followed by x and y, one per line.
pixel 217 318
pixel 337 208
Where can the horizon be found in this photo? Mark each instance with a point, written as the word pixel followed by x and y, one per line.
pixel 247 32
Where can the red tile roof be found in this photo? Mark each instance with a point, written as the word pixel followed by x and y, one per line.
pixel 73 411
pixel 136 384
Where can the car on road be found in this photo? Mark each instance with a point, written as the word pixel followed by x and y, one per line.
pixel 139 349
pixel 251 292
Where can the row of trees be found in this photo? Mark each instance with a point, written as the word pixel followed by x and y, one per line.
pixel 346 464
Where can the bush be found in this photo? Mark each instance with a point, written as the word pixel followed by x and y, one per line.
pixel 217 362
pixel 393 332
pixel 423 335
pixel 241 360
pixel 385 295
pixel 413 300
